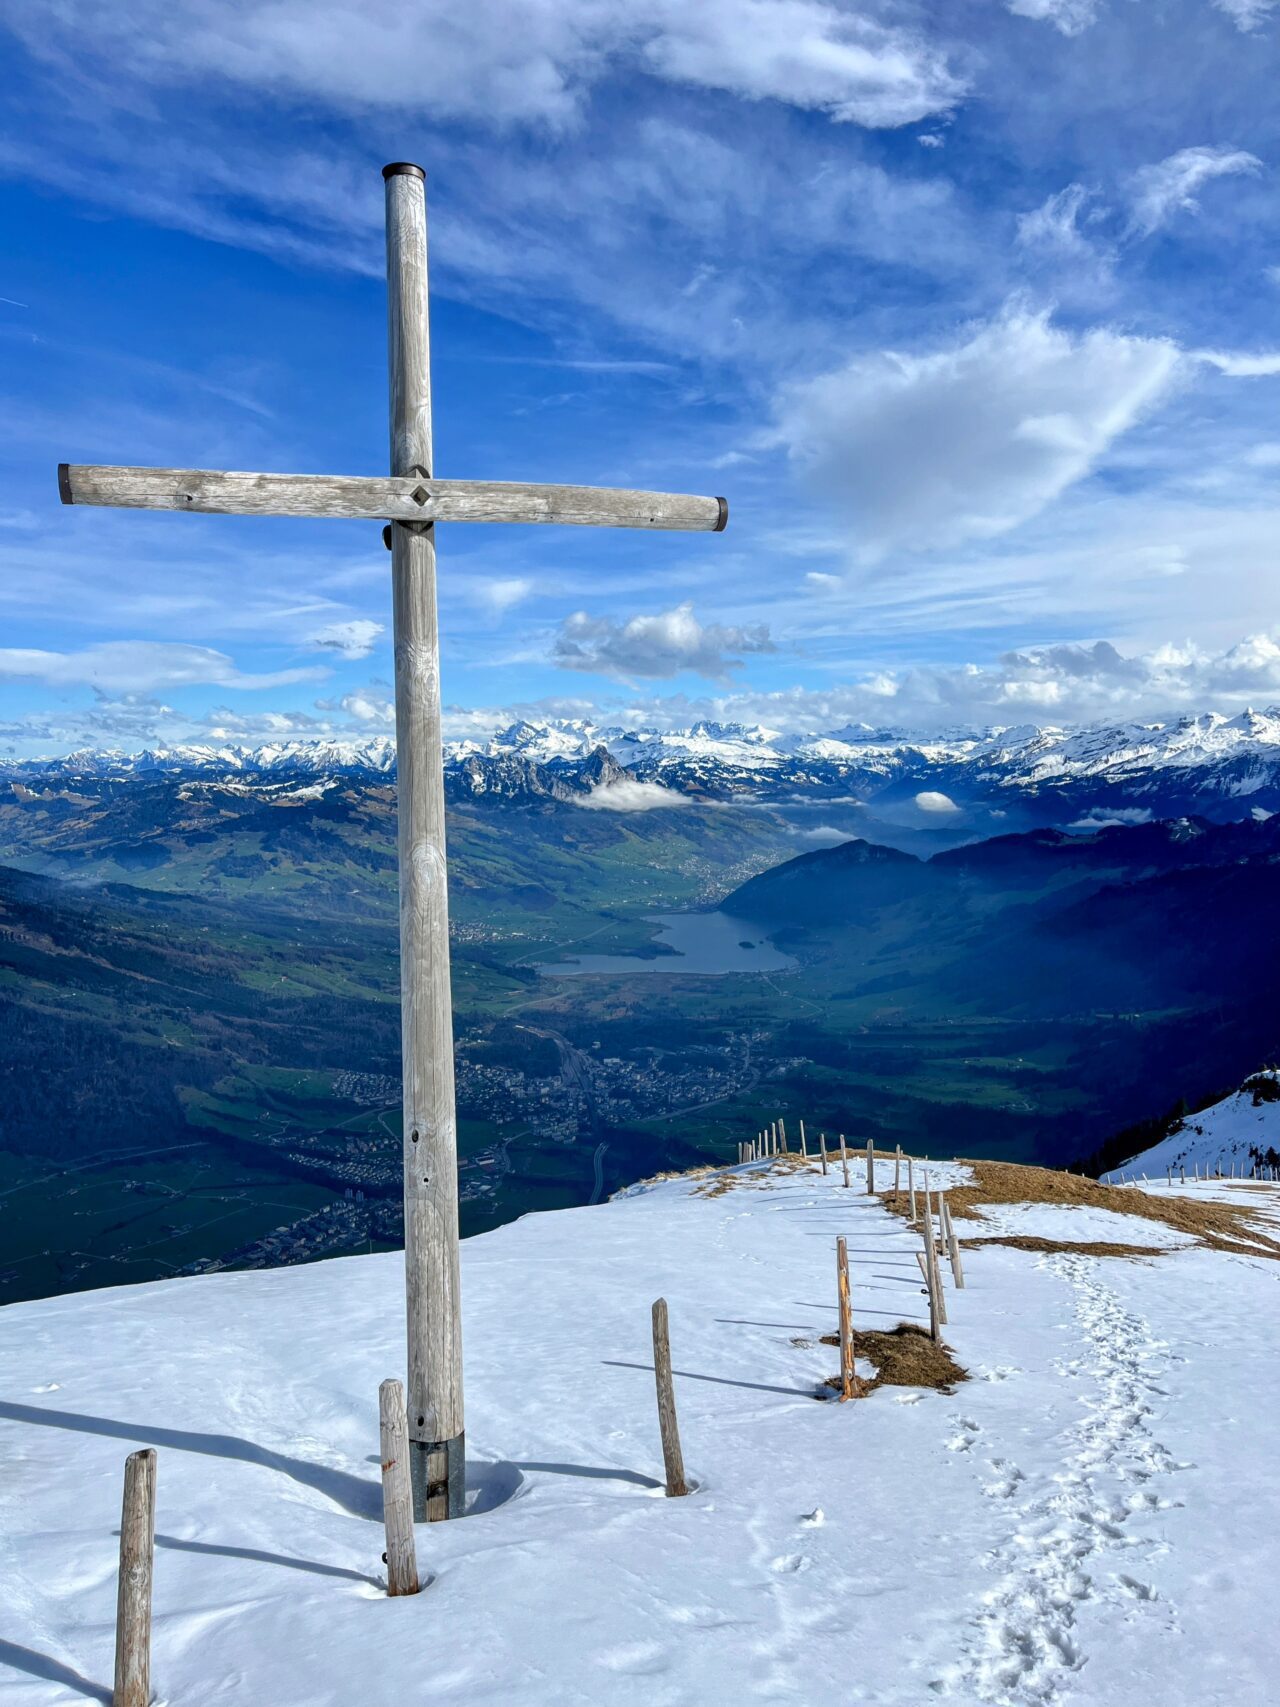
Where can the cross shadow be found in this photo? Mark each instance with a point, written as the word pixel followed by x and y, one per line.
pixel 50 1671
pixel 258 1556
pixel 719 1380
pixel 360 1498
pixel 595 1472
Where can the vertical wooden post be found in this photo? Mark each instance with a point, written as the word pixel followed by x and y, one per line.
pixel 436 1454
pixel 871 1166
pixel 844 1159
pixel 897 1173
pixel 846 1320
pixel 953 1244
pixel 133 1593
pixel 397 1494
pixel 671 1454
pixel 911 1188
pixel 931 1287
pixel 822 1143
pixel 931 1248
pixel 782 1137
pixel 804 1146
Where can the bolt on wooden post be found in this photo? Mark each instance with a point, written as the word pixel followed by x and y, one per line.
pixel 672 1456
pixel 133 1593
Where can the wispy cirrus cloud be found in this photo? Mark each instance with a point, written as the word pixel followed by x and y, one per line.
pixel 140 667
pixel 1169 186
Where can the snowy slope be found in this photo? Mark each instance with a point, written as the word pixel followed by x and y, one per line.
pixel 1059 1529
pixel 1232 1132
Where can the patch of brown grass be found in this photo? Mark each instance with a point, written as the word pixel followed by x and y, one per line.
pixel 904 1356
pixel 1219 1226
pixel 1066 1247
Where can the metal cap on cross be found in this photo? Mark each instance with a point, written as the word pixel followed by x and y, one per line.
pixel 412 501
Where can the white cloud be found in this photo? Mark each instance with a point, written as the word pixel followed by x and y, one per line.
pixel 1054 225
pixel 655 646
pixel 940 805
pixel 1168 187
pixel 967 442
pixel 370 709
pixel 1098 819
pixel 139 666
pixel 631 796
pixel 809 53
pixel 353 639
pixel 509 62
pixel 1070 17
pixel 501 594
pixel 1247 15
pixel 1240 365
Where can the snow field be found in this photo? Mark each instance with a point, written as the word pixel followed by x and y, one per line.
pixel 1087 1519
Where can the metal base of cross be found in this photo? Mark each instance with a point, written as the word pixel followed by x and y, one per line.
pixel 438 1477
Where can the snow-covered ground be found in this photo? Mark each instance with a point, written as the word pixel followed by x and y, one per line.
pixel 1228 1134
pixel 1090 1519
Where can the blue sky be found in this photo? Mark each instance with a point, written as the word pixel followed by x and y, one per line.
pixel 970 310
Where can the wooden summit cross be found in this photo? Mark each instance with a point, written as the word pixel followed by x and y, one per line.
pixel 413 500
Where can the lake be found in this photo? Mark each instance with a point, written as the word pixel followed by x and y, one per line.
pixel 711 944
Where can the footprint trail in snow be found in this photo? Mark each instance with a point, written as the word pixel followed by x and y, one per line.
pixel 1027 1643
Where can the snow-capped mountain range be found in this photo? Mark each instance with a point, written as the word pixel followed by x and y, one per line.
pixel 1227 765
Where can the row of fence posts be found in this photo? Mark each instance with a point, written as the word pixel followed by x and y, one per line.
pixel 1258 1171
pixel 138 1517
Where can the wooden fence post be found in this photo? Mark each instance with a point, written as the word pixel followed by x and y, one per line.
pixel 671 1454
pixel 931 1250
pixel 953 1244
pixel 397 1492
pixel 133 1593
pixel 846 1321
pixel 871 1166
pixel 844 1159
pixel 804 1146
pixel 822 1141
pixel 897 1172
pixel 782 1136
pixel 911 1188
pixel 926 1268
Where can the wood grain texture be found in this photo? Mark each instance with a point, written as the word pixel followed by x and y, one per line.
pixel 403 497
pixel 434 1314
pixel 397 1495
pixel 133 1594
pixel 847 1387
pixel 672 1457
pixel 925 1260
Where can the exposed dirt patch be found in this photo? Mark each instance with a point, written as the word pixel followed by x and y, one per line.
pixel 905 1356
pixel 1068 1247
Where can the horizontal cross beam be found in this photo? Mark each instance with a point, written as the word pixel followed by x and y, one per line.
pixel 406 498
